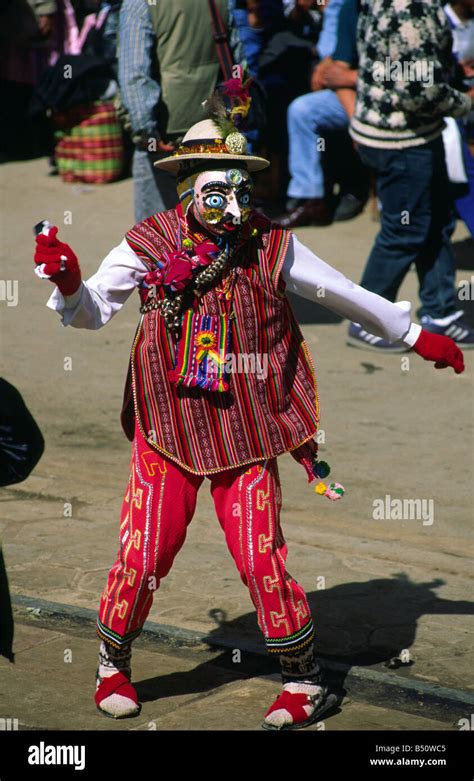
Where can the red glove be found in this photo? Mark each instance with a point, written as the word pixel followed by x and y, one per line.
pixel 441 349
pixel 51 256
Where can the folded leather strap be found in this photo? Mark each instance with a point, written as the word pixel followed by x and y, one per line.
pixel 221 38
pixel 116 684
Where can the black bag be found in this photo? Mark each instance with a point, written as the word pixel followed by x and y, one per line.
pixel 21 447
pixel 21 441
pixel 90 80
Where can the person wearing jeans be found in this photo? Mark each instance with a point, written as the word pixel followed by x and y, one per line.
pixel 417 221
pixel 460 16
pixel 323 112
pixel 154 190
pixel 308 117
pixel 167 68
pixel 398 124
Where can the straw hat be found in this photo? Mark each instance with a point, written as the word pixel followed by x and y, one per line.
pixel 206 141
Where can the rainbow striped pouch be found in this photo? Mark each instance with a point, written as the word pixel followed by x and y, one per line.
pixel 201 352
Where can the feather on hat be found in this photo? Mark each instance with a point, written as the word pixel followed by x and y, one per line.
pixel 218 138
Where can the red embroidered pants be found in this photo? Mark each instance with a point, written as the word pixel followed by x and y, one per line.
pixel 159 503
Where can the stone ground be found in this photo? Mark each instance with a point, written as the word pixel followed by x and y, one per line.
pixel 179 689
pixel 376 587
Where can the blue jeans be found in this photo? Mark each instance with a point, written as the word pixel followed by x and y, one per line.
pixel 153 190
pixel 465 202
pixel 308 117
pixel 417 221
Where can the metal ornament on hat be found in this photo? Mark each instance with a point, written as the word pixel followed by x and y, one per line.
pixel 236 143
pixel 234 176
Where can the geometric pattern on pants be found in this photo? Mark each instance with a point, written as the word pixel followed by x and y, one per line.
pixel 158 506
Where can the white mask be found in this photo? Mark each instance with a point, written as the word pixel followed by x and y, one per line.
pixel 222 199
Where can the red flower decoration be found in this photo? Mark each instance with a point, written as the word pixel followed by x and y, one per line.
pixel 203 253
pixel 154 277
pixel 206 247
pixel 234 88
pixel 178 270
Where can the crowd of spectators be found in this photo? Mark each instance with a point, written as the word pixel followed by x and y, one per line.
pixel 356 96
pixel 303 53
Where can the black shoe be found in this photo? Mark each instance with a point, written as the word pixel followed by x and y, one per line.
pixel 308 211
pixel 349 207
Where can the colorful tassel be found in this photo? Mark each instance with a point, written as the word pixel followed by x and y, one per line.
pixel 333 492
pixel 321 469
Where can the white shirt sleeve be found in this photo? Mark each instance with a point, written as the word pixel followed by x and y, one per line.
pixel 102 295
pixel 308 276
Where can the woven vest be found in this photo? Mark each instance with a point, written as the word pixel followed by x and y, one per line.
pixel 187 60
pixel 259 416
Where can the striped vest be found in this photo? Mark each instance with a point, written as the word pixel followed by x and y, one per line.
pixel 259 416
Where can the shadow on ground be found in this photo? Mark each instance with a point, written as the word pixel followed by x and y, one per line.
pixel 359 624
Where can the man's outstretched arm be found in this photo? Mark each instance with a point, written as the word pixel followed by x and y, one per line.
pixel 306 275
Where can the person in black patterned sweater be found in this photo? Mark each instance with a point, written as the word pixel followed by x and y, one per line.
pixel 402 96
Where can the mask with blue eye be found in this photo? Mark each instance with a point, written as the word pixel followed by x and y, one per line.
pixel 215 201
pixel 222 199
